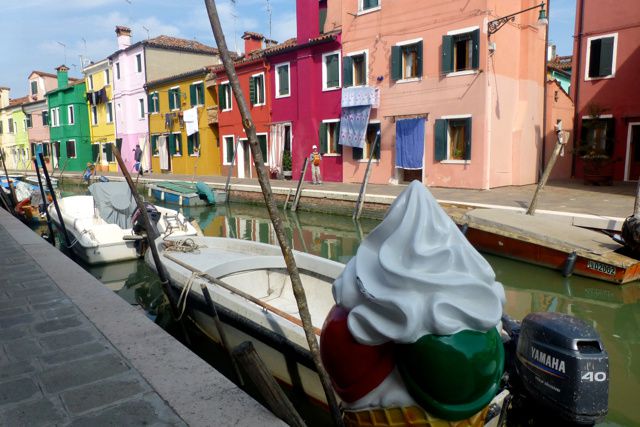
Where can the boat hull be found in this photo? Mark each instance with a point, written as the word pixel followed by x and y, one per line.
pixel 175 198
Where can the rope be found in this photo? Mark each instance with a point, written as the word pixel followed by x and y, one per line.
pixel 184 246
pixel 184 294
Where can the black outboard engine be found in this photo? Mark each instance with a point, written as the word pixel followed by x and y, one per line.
pixel 558 372
pixel 138 225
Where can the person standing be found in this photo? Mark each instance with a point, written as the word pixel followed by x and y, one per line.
pixel 315 159
pixel 137 155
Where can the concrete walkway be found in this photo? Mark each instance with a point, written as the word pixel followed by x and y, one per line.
pixel 74 353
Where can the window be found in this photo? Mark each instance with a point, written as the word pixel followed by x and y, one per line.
pixel 139 62
pixel 283 80
pixel 329 136
pixel 107 77
pixel 175 144
pixel 154 145
pixel 229 146
pixel 406 60
pixel 55 117
pixel 256 89
pixel 460 51
pixel 45 118
pixel 153 102
pixel 71 118
pixel 601 56
pixel 141 107
pixel 94 115
pixel 196 92
pixel 453 138
pixel 174 98
pixel 331 71
pixel 107 152
pixel 193 144
pixel 109 112
pixel 597 136
pixel 224 95
pixel 91 82
pixel 364 5
pixel 118 70
pixel 34 87
pixel 28 121
pixel 71 149
pixel 11 126
pixel 262 143
pixel 354 69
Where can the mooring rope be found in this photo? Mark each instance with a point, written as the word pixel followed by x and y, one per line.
pixel 185 246
pixel 184 294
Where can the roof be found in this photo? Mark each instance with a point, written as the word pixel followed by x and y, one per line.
pixel 562 63
pixel 172 43
pixel 291 44
pixel 185 75
pixel 18 101
pixel 251 34
pixel 42 73
pixel 256 55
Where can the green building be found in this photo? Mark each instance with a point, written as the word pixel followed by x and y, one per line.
pixel 69 122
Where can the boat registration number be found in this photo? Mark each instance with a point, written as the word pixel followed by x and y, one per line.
pixel 602 268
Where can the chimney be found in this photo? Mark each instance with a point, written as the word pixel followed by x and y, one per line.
pixel 252 42
pixel 124 37
pixel 63 76
pixel 4 96
pixel 551 52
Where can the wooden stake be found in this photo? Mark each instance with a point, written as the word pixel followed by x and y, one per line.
pixel 55 200
pixel 547 171
pixel 267 385
pixel 296 199
pixel 363 188
pixel 276 219
pixel 52 238
pixel 9 182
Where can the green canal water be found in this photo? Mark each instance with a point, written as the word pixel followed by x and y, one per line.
pixel 613 310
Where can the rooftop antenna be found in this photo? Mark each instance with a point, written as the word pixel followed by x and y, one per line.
pixel 64 47
pixel 147 30
pixel 235 22
pixel 269 11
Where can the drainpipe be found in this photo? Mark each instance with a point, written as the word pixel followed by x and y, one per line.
pixel 576 88
pixel 544 95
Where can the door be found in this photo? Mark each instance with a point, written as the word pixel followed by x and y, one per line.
pixel 244 159
pixel 633 152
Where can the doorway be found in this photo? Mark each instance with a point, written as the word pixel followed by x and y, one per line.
pixel 244 159
pixel 632 171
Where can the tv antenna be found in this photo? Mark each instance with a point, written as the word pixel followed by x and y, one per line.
pixel 147 30
pixel 64 48
pixel 269 11
pixel 235 24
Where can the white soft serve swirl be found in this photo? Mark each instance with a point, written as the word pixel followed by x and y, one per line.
pixel 417 274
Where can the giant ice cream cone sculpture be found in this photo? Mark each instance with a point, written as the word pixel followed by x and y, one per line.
pixel 413 337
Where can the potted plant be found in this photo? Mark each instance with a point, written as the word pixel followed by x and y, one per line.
pixel 596 148
pixel 286 164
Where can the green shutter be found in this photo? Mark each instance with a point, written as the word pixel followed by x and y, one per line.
pixel 467 139
pixel 200 89
pixel 193 95
pixel 221 98
pixel 336 137
pixel 378 137
pixel 119 144
pixel 109 151
pixel 419 58
pixel 440 134
pixel 322 136
pixel 178 99
pixel 347 71
pixel 396 63
pixel 475 49
pixel 95 152
pixel 333 72
pixel 447 54
pixel 154 144
pixel 606 57
pixel 357 153
pixel 262 140
pixel 150 102
pixel 322 18
pixel 252 90
pixel 190 144
pixel 171 104
pixel 172 144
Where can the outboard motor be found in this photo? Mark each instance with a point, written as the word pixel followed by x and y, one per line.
pixel 138 225
pixel 558 371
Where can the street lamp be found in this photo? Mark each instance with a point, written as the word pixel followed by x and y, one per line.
pixel 496 24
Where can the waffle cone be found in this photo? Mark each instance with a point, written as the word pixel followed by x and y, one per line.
pixel 413 416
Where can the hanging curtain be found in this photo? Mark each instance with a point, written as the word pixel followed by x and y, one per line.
pixel 409 143
pixel 353 125
pixel 164 153
pixel 144 144
pixel 277 147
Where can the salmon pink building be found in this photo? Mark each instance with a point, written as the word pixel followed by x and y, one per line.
pixel 252 71
pixel 306 83
pixel 605 87
pixel 455 106
pixel 37 115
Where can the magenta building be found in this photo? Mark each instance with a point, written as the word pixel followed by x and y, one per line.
pixel 306 88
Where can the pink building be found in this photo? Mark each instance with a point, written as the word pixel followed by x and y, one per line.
pixel 458 107
pixel 37 113
pixel 133 65
pixel 306 85
pixel 605 87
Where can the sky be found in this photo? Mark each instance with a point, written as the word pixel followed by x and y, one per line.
pixel 43 34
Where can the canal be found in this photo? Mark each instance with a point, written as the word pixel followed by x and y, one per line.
pixel 613 310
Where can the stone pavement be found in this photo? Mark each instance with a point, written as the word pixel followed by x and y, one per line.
pixel 73 353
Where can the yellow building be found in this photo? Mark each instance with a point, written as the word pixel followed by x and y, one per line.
pixel 102 126
pixel 169 100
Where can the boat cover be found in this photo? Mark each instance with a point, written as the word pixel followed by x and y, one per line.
pixel 114 202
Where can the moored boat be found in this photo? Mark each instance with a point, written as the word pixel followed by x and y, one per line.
pixel 99 223
pixel 186 193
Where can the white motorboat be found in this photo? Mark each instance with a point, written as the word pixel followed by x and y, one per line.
pixel 98 224
pixel 259 305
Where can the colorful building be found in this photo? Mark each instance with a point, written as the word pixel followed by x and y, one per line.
pixel 253 71
pixel 172 149
pixel 99 102
pixel 460 101
pixel 306 86
pixel 604 87
pixel 69 123
pixel 13 127
pixel 37 116
pixel 133 65
pixel 559 68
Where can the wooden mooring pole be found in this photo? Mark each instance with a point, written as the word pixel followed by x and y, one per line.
pixel 52 238
pixel 12 190
pixel 296 199
pixel 547 171
pixel 357 212
pixel 55 201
